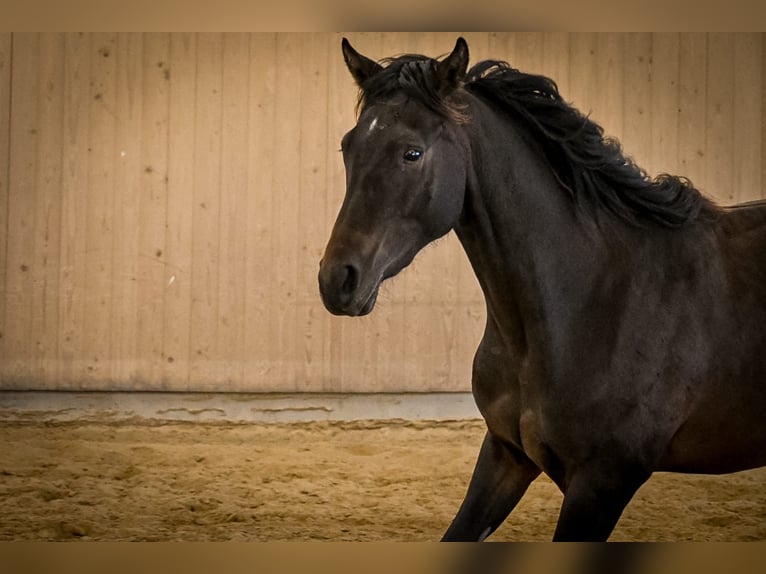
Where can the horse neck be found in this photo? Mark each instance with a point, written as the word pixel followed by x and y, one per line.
pixel 518 228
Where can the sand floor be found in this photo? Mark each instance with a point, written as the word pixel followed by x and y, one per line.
pixel 340 481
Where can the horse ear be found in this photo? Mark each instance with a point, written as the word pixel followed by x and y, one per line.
pixel 452 69
pixel 361 67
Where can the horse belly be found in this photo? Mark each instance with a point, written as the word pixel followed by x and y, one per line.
pixel 692 452
pixel 721 436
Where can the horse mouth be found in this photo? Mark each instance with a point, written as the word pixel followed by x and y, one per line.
pixel 369 305
pixel 359 307
pixel 355 304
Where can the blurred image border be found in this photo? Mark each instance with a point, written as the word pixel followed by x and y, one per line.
pixel 374 558
pixel 382 16
pixel 381 558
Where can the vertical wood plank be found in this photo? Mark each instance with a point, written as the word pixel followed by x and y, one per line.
pixel 99 265
pixel 74 224
pixel 609 96
pixel 45 260
pixel 478 46
pixel 637 99
pixel 665 103
pixel 312 218
pixel 262 101
pixel 127 361
pixel 233 222
pixel 748 118
pixel 528 47
pixel 22 199
pixel 720 116
pixel 206 212
pixel 151 267
pixel 583 89
pixel 290 210
pixel 502 47
pixel 692 146
pixel 6 43
pixel 284 186
pixel 176 320
pixel 555 63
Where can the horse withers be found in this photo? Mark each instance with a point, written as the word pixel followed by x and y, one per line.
pixel 626 315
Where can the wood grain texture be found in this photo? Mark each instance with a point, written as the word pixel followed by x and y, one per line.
pixel 21 205
pixel 176 312
pixel 165 199
pixel 129 357
pixel 748 114
pixel 6 56
pixel 204 366
pixel 74 182
pixel 692 143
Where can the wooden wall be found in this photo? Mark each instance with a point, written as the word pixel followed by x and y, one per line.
pixel 165 199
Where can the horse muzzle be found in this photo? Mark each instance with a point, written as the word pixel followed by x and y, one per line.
pixel 344 290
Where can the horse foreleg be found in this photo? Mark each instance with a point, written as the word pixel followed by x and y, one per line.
pixel 501 477
pixel 594 502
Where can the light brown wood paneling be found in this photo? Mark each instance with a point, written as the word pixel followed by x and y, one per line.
pixel 666 93
pixel 130 218
pixel 692 144
pixel 6 43
pixel 206 202
pixel 637 101
pixel 102 272
pixel 748 116
pixel 165 199
pixel 74 216
pixel 259 313
pixel 20 344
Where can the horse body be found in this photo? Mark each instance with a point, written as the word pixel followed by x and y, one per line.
pixel 566 373
pixel 611 350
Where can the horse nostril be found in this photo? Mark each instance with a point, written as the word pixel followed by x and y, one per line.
pixel 351 281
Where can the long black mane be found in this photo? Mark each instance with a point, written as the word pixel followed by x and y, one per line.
pixel 590 165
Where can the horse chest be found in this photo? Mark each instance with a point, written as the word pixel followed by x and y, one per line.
pixel 513 413
pixel 511 417
pixel 532 442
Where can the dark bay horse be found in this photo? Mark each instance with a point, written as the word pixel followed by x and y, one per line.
pixel 626 315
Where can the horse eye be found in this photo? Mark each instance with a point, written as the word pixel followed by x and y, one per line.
pixel 413 154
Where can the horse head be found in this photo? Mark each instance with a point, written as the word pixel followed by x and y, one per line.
pixel 405 173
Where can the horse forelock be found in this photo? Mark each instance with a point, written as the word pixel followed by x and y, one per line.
pixel 414 76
